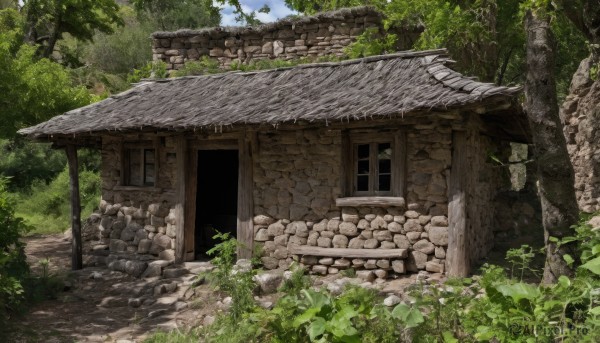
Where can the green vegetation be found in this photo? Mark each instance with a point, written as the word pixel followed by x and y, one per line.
pixel 496 306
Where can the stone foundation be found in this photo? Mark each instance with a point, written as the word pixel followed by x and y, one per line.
pixel 425 237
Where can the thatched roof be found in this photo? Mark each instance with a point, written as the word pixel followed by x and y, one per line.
pixel 374 87
pixel 230 31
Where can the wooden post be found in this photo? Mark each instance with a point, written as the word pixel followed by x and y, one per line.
pixel 181 154
pixel 76 253
pixel 245 225
pixel 399 164
pixel 458 262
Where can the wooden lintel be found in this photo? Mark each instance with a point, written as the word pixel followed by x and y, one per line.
pixel 76 242
pixel 347 252
pixel 370 202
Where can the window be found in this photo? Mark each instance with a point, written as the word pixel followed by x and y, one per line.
pixel 139 166
pixel 373 169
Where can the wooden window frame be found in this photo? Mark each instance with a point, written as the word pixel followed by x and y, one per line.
pixel 373 173
pixel 142 148
pixel 350 141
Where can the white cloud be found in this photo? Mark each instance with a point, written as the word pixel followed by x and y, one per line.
pixel 278 10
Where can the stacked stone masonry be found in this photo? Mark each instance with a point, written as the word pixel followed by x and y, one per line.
pixel 308 37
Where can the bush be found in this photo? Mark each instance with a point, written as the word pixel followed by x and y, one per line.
pixel 13 265
pixel 47 207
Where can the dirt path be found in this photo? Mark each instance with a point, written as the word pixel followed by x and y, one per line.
pixel 100 305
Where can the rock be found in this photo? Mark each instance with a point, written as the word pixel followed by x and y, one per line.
pixel 440 252
pixel 371 264
pixel 358 262
pixel 276 229
pixel 412 225
pixel 180 305
pixel 383 235
pixel 95 276
pixel 243 265
pixel 319 269
pixel 363 224
pixel 356 243
pixel 326 261
pixel 111 301
pixel 168 255
pixel 324 242
pixel 434 267
pixel 168 301
pixel 366 275
pixel 350 215
pixel 262 235
pixel 269 262
pixel 424 220
pixel 171 273
pixel 378 223
pixel 281 253
pixel 387 245
pixel 424 246
pixel 268 282
pixel 263 220
pixel 144 246
pixel 208 320
pixel 383 264
pixel 398 266
pixel 418 258
pixel 371 243
pixel 328 234
pixel 399 220
pixel 439 221
pixel 157 313
pixel 413 237
pixel 333 225
pixel 366 234
pixel 312 238
pixel 152 271
pixel 412 214
pixel 171 230
pixel 380 273
pixel 340 241
pixel 297 240
pixel 341 263
pixel 438 235
pixel 348 229
pixel 135 268
pixel 320 226
pixel 594 222
pixel 309 260
pixel 117 245
pixel 392 300
pixel 394 227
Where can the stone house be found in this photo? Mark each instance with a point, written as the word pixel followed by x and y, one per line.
pixel 380 163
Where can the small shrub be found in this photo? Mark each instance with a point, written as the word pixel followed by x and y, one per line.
pixel 370 43
pixel 156 70
pixel 203 66
pixel 13 265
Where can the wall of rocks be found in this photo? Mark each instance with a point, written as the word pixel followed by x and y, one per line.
pixel 580 114
pixel 325 34
pixel 136 225
pixel 297 179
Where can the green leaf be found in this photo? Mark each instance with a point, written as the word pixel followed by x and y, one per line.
pixel 593 266
pixel 316 328
pixel 519 291
pixel 449 337
pixel 307 316
pixel 410 316
pixel 596 249
pixel 568 259
pixel 564 281
pixel 595 310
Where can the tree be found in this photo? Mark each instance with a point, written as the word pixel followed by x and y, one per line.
pixel 555 172
pixel 47 20
pixel 170 15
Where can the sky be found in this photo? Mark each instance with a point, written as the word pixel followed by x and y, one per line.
pixel 278 10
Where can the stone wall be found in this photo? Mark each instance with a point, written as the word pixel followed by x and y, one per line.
pixel 137 224
pixel 580 114
pixel 325 34
pixel 297 179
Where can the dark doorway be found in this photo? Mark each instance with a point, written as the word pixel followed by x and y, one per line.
pixel 216 197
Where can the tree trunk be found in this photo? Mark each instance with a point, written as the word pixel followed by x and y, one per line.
pixel 555 172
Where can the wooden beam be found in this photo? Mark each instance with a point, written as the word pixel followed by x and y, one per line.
pixel 458 262
pixel 399 165
pixel 181 172
pixel 347 252
pixel 245 225
pixel 347 166
pixel 76 243
pixel 370 201
pixel 189 245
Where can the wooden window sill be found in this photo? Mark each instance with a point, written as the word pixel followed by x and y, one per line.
pixel 370 201
pixel 151 189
